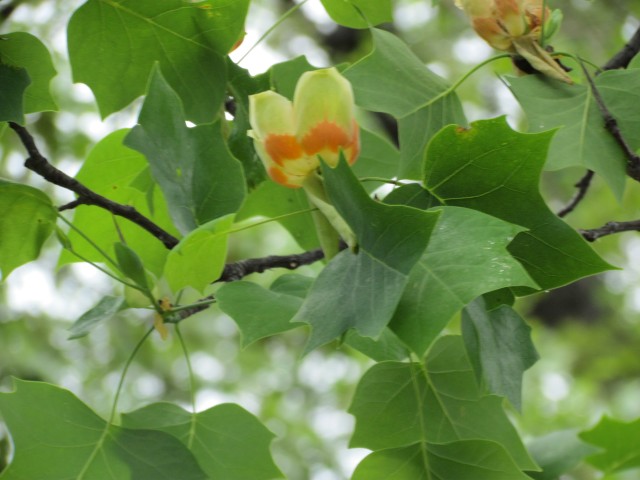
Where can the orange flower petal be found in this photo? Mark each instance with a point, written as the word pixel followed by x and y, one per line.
pixel 282 147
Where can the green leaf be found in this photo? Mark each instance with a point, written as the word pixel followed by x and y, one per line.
pixel 199 258
pixel 619 440
pixel 130 36
pixel 272 200
pixel 500 348
pixel 28 218
pixel 466 257
pixel 386 347
pixel 197 174
pixel 582 140
pixel 111 169
pixel 412 195
pixel 22 50
pixel 228 442
pixel 14 82
pixel 258 312
pixel 292 284
pixel 465 459
pixel 416 130
pixel 392 79
pixel 359 13
pixel 401 404
pixel 348 292
pixel 222 23
pixel 47 422
pixel 131 265
pixel 493 169
pixel 104 310
pixel 378 158
pixel 241 85
pixel 557 453
pixel 285 75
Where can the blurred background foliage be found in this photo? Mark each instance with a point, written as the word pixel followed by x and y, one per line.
pixel 588 334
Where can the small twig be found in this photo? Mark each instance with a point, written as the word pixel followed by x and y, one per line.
pixel 40 165
pixel 626 54
pixel 610 228
pixel 611 124
pixel 582 186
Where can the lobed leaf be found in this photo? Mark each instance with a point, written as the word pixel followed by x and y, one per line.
pixel 48 422
pixel 400 405
pixel 619 442
pixel 493 169
pixel 359 13
pixel 104 310
pixel 130 36
pixel 15 82
pixel 226 440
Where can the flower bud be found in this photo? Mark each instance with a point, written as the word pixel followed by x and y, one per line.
pixel 290 137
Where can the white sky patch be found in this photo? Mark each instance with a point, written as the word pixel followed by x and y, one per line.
pixel 555 387
pixel 409 15
pixel 471 50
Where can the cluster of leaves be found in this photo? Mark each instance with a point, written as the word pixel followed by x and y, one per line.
pixel 465 234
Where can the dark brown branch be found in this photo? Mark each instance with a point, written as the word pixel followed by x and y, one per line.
pixel 238 270
pixel 582 186
pixel 626 54
pixel 611 124
pixel 40 165
pixel 610 228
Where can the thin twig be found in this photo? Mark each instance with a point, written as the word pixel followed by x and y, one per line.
pixel 611 124
pixel 40 165
pixel 582 186
pixel 610 228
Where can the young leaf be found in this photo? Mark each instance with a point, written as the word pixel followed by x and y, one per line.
pixel 466 257
pixel 500 348
pixel 221 23
pixel 199 177
pixel 464 459
pixel 348 293
pixel 619 440
pixel 131 265
pixel 258 312
pixel 22 50
pixel 199 258
pixel 378 158
pixel 411 87
pixel 222 438
pixel 493 169
pixel 104 310
pixel 15 82
pixel 111 169
pixel 400 404
pixel 47 422
pixel 130 37
pixel 28 218
pixel 582 140
pixel 359 13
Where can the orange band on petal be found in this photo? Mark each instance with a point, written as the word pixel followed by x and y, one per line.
pixel 325 135
pixel 280 177
pixel 355 144
pixel 282 147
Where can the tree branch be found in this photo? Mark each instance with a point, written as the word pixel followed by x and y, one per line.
pixel 40 165
pixel 611 124
pixel 582 186
pixel 610 228
pixel 238 270
pixel 626 54
pixel 619 60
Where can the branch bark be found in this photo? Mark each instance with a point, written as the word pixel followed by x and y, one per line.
pixel 609 229
pixel 37 163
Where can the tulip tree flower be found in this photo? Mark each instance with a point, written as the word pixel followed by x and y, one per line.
pixel 516 26
pixel 292 137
